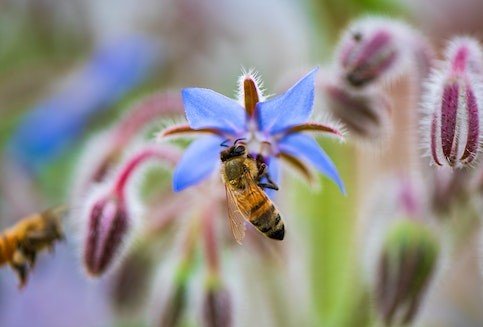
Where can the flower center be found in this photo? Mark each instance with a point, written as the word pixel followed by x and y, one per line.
pixel 258 142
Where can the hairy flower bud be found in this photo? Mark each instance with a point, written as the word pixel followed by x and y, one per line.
pixel 217 311
pixel 108 224
pixel 111 213
pixel 453 105
pixel 406 265
pixel 371 49
pixel 365 114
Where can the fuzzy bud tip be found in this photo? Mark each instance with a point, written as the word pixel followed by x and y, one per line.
pixel 108 224
pixel 452 99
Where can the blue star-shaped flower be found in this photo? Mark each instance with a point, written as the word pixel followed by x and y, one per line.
pixel 274 128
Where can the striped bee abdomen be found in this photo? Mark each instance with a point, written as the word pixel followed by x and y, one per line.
pixel 266 218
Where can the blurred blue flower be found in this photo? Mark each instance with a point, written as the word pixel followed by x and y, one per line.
pixel 112 70
pixel 271 127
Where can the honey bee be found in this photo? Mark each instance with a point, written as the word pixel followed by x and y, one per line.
pixel 20 243
pixel 247 201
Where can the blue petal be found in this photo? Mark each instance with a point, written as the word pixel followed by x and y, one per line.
pixel 207 109
pixel 306 148
pixel 199 160
pixel 291 108
pixel 274 171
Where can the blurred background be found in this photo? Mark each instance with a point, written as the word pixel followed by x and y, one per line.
pixel 68 69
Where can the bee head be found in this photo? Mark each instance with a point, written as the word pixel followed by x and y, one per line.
pixel 238 149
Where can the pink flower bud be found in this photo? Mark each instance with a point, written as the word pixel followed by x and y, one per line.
pixel 217 311
pixel 372 48
pixel 453 104
pixel 365 114
pixel 112 212
pixel 108 224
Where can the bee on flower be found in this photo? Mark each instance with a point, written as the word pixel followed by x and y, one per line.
pixel 260 132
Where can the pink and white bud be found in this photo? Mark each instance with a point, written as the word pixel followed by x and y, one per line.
pixel 108 224
pixel 452 102
pixel 372 49
pixel 112 212
pixel 365 114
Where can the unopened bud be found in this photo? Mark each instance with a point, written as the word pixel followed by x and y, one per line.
pixel 365 114
pixel 108 224
pixel 370 50
pixel 453 103
pixel 217 310
pixel 112 211
pixel 407 263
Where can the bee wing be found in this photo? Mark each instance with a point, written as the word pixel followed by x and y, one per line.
pixel 235 216
pixel 57 212
pixel 251 195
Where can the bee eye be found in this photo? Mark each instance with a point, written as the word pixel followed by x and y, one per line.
pixel 239 150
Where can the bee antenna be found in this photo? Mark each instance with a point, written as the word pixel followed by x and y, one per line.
pixel 223 144
pixel 238 140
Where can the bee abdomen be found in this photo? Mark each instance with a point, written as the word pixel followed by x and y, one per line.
pixel 268 221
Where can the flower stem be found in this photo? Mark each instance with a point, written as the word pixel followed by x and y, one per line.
pixel 209 240
pixel 164 154
pixel 155 106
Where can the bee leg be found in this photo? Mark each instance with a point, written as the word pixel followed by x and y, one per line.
pixel 263 172
pixel 271 183
pixel 20 266
pixel 30 256
pixel 268 185
pixel 260 162
pixel 22 273
pixel 25 252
